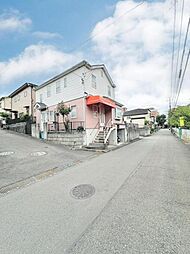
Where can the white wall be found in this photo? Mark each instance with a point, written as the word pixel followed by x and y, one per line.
pixel 75 88
pixel 102 84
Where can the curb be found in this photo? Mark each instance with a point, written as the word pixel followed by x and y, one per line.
pixel 39 177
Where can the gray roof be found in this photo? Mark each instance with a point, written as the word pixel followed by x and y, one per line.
pixel 40 106
pixel 18 90
pixel 138 111
pixel 75 67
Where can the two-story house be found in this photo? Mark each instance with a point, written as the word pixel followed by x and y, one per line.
pixel 90 93
pixel 138 116
pixel 23 100
pixel 5 105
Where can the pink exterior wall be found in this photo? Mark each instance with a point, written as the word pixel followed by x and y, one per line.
pixel 79 109
pixel 92 117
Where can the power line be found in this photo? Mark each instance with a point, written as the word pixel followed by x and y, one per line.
pixel 182 58
pixel 173 50
pixel 95 35
pixel 183 75
pixel 179 46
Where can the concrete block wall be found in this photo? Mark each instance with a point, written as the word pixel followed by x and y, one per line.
pixel 18 127
pixel 144 131
pixel 68 139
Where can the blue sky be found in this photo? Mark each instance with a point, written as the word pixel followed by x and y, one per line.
pixel 55 16
pixel 37 39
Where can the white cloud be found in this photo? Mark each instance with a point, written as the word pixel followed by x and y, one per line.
pixel 47 35
pixel 34 63
pixel 137 49
pixel 13 20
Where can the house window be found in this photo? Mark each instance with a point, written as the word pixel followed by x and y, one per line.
pixel 51 116
pixel 58 86
pixel 41 98
pixel 93 81
pixel 25 93
pixel 73 111
pixel 109 91
pixel 65 82
pixel 118 113
pixel 95 111
pixel 48 91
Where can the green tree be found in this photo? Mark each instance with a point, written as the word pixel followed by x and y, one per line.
pixel 175 114
pixel 64 111
pixel 161 119
pixel 4 115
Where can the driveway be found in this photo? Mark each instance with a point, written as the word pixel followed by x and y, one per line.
pixel 22 157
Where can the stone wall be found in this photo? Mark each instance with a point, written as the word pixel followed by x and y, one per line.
pixel 68 139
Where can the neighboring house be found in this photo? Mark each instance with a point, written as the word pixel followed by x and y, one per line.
pixel 23 100
pixel 5 105
pixel 154 113
pixel 138 116
pixel 90 93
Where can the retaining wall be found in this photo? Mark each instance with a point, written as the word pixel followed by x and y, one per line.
pixel 18 127
pixel 144 132
pixel 68 139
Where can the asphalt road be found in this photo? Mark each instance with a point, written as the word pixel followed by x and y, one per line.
pixel 141 205
pixel 25 161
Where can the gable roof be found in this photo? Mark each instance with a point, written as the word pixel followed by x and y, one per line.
pixel 138 111
pixel 75 67
pixel 21 88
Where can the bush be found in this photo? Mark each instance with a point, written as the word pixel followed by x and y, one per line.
pixel 80 128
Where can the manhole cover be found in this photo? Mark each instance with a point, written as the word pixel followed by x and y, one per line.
pixel 83 191
pixel 6 153
pixel 38 153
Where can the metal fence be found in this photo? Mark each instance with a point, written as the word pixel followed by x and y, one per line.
pixel 73 126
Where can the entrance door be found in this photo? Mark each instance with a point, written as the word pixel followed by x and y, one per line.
pixel 102 115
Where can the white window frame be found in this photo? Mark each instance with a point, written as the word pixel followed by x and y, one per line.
pixel 93 81
pixel 41 97
pixel 48 91
pixel 118 113
pixel 65 82
pixel 95 111
pixel 109 91
pixel 51 116
pixel 58 86
pixel 75 112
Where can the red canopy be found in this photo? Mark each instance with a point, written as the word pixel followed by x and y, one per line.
pixel 99 99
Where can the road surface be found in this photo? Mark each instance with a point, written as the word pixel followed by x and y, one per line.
pixel 141 205
pixel 23 161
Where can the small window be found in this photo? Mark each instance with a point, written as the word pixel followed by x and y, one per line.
pixel 73 111
pixel 41 98
pixel 118 113
pixel 109 91
pixel 25 93
pixel 58 86
pixel 95 111
pixel 93 81
pixel 48 91
pixel 51 116
pixel 65 82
